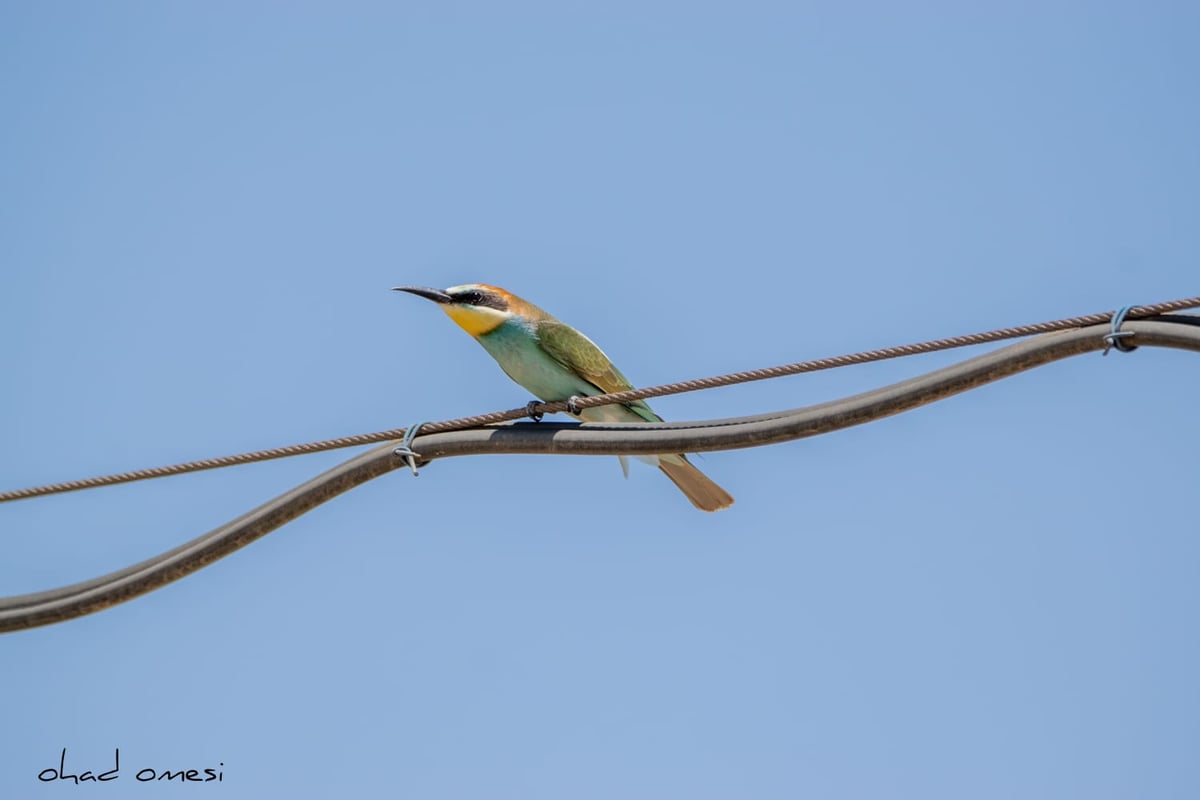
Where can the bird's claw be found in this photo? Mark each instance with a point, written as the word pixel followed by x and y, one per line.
pixel 531 410
pixel 573 405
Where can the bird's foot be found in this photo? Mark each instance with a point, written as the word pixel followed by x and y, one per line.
pixel 573 405
pixel 531 410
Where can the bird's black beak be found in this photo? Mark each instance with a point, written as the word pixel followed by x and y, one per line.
pixel 436 295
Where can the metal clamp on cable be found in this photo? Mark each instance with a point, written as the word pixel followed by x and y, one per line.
pixel 1115 336
pixel 405 450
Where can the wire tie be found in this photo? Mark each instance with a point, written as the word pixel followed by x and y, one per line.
pixel 405 450
pixel 1115 336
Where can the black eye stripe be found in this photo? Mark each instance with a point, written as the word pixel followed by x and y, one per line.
pixel 474 297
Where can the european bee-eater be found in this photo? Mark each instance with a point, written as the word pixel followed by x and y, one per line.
pixel 555 362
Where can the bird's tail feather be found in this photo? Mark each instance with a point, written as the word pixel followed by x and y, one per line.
pixel 699 488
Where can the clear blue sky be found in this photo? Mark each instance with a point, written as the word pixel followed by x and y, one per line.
pixel 204 208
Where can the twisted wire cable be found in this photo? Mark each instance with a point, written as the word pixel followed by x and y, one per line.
pixel 1136 312
pixel 57 605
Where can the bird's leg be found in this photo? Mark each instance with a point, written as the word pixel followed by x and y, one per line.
pixel 532 411
pixel 573 405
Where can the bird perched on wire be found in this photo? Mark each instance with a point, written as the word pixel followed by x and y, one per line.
pixel 556 362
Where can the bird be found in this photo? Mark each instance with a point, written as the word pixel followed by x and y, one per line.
pixel 556 362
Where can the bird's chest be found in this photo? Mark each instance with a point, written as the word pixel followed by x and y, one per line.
pixel 522 358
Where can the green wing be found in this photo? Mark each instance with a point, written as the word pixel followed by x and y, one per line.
pixel 579 354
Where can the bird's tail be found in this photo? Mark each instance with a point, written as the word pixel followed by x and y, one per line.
pixel 699 488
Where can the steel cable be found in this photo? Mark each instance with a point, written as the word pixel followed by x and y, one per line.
pixel 57 605
pixel 680 387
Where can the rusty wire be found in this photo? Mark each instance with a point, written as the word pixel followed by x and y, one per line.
pixel 1137 312
pixel 58 605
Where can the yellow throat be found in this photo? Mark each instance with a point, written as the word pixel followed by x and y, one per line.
pixel 475 320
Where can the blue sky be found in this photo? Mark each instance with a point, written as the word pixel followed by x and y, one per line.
pixel 205 207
